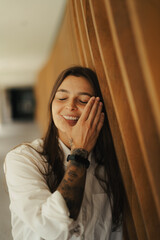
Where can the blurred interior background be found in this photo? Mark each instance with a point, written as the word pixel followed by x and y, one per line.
pixel 28 30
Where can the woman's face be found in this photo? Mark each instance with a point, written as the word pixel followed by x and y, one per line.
pixel 70 99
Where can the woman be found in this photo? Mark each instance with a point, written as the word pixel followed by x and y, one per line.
pixel 68 185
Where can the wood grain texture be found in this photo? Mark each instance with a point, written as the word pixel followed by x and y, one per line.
pixel 120 41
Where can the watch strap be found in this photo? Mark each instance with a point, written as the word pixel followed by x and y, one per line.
pixel 79 159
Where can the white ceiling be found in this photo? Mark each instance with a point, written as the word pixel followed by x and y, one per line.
pixel 28 29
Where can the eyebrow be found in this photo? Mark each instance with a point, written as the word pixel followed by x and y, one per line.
pixel 79 93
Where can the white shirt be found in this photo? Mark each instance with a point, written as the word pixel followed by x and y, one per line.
pixel 38 214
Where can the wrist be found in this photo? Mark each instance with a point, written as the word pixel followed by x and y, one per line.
pixel 79 149
pixel 80 152
pixel 80 156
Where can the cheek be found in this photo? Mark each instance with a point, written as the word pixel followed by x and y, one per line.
pixel 56 108
pixel 56 111
pixel 81 109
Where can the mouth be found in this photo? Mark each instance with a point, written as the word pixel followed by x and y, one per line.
pixel 71 120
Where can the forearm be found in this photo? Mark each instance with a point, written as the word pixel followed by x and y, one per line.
pixel 72 187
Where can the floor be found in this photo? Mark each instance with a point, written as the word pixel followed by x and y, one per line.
pixel 11 135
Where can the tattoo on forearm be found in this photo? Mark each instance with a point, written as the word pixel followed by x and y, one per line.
pixel 72 187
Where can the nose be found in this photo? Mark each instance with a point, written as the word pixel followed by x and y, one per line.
pixel 71 105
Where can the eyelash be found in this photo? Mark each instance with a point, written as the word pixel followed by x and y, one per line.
pixel 61 99
pixel 82 102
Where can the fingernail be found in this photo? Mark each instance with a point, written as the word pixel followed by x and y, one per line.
pixel 97 98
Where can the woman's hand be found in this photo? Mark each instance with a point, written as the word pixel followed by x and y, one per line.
pixel 85 133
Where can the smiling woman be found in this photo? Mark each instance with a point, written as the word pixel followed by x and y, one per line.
pixel 69 102
pixel 68 184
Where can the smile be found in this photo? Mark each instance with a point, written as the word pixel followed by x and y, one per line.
pixel 71 118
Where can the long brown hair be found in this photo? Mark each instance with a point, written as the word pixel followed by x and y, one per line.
pixel 104 151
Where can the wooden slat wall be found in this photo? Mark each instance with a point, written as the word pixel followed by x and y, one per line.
pixel 120 40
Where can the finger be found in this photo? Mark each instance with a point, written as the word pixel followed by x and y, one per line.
pixel 93 111
pixel 87 109
pixel 100 123
pixel 98 115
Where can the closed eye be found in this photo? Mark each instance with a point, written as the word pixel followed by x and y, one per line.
pixel 62 99
pixel 83 102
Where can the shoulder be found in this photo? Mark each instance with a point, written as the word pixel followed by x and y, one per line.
pixel 25 148
pixel 26 154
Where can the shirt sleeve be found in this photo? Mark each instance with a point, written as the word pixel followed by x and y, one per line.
pixel 45 213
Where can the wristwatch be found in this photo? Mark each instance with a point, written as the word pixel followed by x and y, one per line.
pixel 80 156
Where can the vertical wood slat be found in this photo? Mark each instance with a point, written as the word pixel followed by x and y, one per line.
pixel 104 86
pixel 114 38
pixel 126 111
pixel 145 19
pixel 140 99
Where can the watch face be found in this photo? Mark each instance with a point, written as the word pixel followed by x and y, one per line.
pixel 80 152
pixel 79 159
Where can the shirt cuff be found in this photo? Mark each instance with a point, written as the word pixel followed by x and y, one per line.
pixel 61 203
